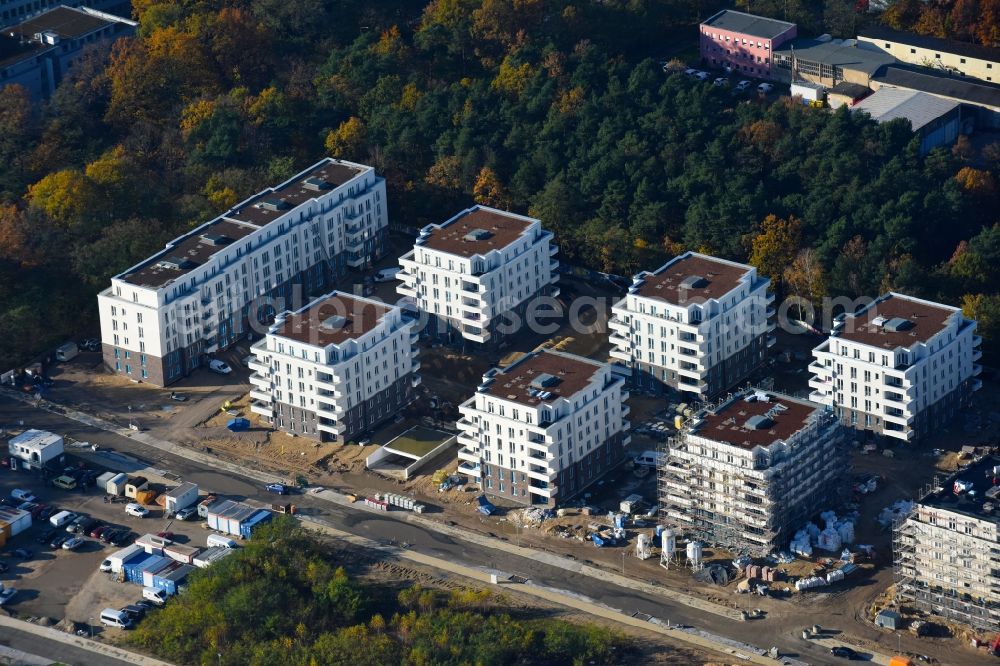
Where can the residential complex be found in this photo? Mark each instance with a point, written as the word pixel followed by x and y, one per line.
pixel 37 53
pixel 334 368
pixel 963 58
pixel 698 324
pixel 747 473
pixel 900 367
pixel 743 42
pixel 476 275
pixel 210 287
pixel 947 550
pixel 542 429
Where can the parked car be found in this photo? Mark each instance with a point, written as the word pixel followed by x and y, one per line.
pixel 46 512
pixel 86 526
pixel 701 76
pixel 144 603
pixel 91 345
pixel 58 541
pixel 134 611
pixel 178 397
pixel 137 510
pixel 47 535
pixel 7 594
pixel 387 274
pixel 74 543
pixel 844 652
pixel 720 81
pixel 743 85
pixel 169 536
pixel 77 525
pixel 187 513
pixel 105 566
pixel 221 367
pixel 765 88
pixel 276 488
pixel 690 71
pixel 23 553
pixel 22 495
pixel 98 531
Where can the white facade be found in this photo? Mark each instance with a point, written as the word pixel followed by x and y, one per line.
pixel 899 367
pixel 181 497
pixel 207 288
pixel 36 447
pixel 335 367
pixel 543 428
pixel 698 324
pixel 476 266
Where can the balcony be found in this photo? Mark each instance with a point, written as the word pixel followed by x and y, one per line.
pixel 332 412
pixel 620 354
pixel 468 440
pixel 619 341
pixel 770 312
pixel 262 409
pixel 821 384
pixel 771 341
pixel 976 384
pixel 905 435
pixel 263 396
pixel 415 380
pixel 553 266
pixel 553 250
pixel 977 340
pixel 333 428
pixel 469 469
pixel 404 289
pixel 685 384
pixel 470 287
pixel 541 474
pixel 821 398
pixel 414 336
pixel 818 368
pixel 469 455
pixel 257 365
pixel 416 366
pixel 771 326
pixel 977 354
pixel 329 381
pixel 769 298
pixel 976 369
pixel 475 334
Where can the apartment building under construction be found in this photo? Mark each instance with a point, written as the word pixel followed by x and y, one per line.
pixel 947 550
pixel 745 474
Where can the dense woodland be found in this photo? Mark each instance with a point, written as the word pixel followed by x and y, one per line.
pixel 557 107
pixel 284 601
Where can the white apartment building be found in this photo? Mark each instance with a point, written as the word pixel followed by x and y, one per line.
pixel 542 429
pixel 698 325
pixel 899 367
pixel 745 474
pixel 210 287
pixel 947 550
pixel 476 274
pixel 334 368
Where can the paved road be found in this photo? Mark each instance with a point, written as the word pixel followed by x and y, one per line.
pixel 57 652
pixel 781 629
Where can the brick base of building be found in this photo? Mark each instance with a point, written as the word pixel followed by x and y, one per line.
pixel 928 420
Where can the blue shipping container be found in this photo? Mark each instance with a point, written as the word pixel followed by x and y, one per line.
pixel 136 572
pixel 171 580
pixel 133 568
pixel 250 524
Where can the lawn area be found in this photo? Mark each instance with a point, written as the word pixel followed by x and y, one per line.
pixel 418 441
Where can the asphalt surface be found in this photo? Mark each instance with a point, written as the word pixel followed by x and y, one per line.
pixel 57 652
pixel 780 629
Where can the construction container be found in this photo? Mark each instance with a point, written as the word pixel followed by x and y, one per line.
pixel 119 558
pixel 180 497
pixel 134 485
pixel 248 526
pixel 152 544
pixel 181 553
pixel 14 521
pixel 168 579
pixel 134 567
pixel 165 564
pixel 102 481
pixel 146 496
pixel 116 484
pixel 206 504
pixel 210 556
pixel 228 516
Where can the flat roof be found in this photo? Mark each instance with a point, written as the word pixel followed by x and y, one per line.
pixel 327 175
pixel 748 24
pixel 40 438
pixel 331 320
pixel 192 249
pixel 14 50
pixel 934 82
pixel 569 374
pixel 67 22
pixel 417 442
pixel 920 108
pixel 675 282
pixel 852 90
pixel 496 229
pixel 934 43
pixel 982 503
pixel 836 53
pixel 785 416
pixel 925 319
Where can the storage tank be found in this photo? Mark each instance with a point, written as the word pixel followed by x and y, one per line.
pixel 846 530
pixel 694 552
pixel 668 539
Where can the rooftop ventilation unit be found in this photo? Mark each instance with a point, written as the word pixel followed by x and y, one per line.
pixel 334 323
pixel 477 235
pixel 544 380
pixel 176 263
pixel 215 239
pixel 879 321
pixel 758 422
pixel 274 204
pixel 694 282
pixel 898 325
pixel 316 184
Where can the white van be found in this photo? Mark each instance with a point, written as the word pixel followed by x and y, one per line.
pixel 62 518
pixel 219 541
pixel 22 495
pixel 115 618
pixel 646 459
pixel 387 274
pixel 155 594
pixel 67 351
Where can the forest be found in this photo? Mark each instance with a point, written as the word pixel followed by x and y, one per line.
pixel 560 108
pixel 283 600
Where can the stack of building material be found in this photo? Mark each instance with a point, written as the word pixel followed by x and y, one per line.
pixel 809 583
pixel 146 496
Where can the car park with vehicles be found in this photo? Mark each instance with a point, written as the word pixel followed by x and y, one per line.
pixel 115 618
pixel 63 518
pixel 74 543
pixel 59 540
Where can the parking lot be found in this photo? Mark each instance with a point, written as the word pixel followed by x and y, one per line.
pixel 63 587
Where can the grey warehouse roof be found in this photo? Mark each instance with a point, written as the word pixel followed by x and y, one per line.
pixel 845 54
pixel 939 83
pixel 919 108
pixel 748 24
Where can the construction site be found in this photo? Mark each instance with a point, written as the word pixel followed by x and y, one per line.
pixel 744 473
